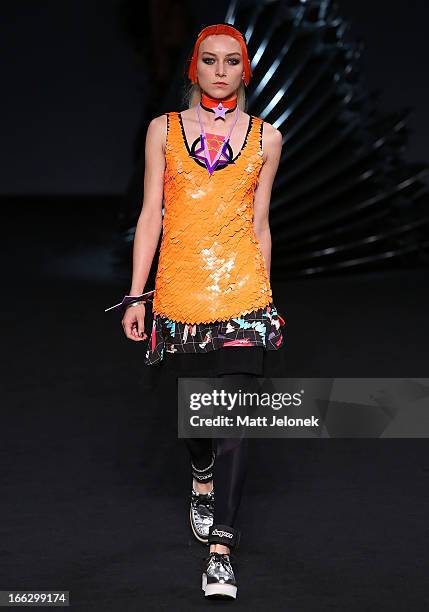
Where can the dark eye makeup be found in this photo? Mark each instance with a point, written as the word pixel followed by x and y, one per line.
pixel 232 59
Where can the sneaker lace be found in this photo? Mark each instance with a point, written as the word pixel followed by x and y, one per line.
pixel 221 558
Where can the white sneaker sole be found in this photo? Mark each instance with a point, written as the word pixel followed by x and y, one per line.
pixel 220 590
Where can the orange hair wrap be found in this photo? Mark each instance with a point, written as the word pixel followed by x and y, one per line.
pixel 219 28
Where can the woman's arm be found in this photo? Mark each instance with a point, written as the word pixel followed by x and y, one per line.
pixel 272 147
pixel 149 224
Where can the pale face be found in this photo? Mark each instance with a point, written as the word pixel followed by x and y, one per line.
pixel 220 59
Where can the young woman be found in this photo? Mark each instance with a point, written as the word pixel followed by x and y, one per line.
pixel 213 313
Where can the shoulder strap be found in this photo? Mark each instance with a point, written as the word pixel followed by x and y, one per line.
pixel 173 131
pixel 168 128
pixel 172 118
pixel 256 131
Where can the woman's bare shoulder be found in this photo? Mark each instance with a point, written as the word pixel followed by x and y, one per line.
pixel 272 140
pixel 158 122
pixel 157 129
pixel 270 131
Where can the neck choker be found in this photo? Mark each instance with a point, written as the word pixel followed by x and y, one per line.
pixel 219 107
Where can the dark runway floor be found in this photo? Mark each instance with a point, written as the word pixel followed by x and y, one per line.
pixel 94 499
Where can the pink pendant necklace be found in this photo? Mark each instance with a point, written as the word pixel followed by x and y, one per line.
pixel 212 166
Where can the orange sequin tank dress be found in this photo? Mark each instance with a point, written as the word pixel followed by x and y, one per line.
pixel 211 268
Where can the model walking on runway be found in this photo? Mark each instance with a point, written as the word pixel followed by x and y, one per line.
pixel 213 311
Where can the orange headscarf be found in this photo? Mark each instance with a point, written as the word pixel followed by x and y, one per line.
pixel 219 28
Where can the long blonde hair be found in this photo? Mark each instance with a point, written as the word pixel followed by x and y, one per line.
pixel 192 96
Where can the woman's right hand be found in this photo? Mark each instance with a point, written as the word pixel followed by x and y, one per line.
pixel 133 322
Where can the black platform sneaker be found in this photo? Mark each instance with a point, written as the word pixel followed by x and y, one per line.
pixel 201 514
pixel 202 504
pixel 218 579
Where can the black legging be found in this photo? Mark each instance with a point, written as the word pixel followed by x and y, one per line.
pixel 229 472
pixel 230 469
